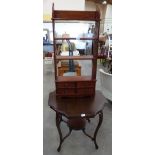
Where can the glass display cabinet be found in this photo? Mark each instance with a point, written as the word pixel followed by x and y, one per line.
pixel 75 38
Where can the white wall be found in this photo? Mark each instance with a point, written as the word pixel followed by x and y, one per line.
pixel 108 19
pixel 69 4
pixel 105 15
pixel 63 5
pixel 90 6
pixel 47 6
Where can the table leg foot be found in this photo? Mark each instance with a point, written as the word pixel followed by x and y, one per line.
pixel 59 148
pixel 96 146
pixel 97 128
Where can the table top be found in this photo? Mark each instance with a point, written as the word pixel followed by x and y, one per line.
pixel 77 106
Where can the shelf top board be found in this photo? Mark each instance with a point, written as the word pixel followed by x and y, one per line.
pixel 76 15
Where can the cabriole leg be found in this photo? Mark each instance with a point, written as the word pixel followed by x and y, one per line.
pixel 97 128
pixel 58 121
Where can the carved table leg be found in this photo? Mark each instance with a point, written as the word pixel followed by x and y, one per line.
pixel 96 131
pixel 58 121
pixel 97 128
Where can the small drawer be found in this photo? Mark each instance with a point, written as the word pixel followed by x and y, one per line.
pixel 59 85
pixel 85 91
pixel 69 91
pixel 65 91
pixel 69 84
pixel 60 91
pixel 65 84
pixel 85 84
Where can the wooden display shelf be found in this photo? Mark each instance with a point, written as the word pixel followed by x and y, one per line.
pixel 86 57
pixel 73 78
pixel 88 38
pixel 75 86
pixel 76 15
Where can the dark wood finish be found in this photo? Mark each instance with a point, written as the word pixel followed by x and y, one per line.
pixel 74 107
pixel 85 57
pixel 74 78
pixel 54 42
pixel 75 88
pixel 77 111
pixel 75 15
pixel 62 83
pixel 77 123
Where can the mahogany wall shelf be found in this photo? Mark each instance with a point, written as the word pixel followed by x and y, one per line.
pixel 75 86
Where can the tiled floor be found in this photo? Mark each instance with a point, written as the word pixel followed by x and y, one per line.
pixel 77 143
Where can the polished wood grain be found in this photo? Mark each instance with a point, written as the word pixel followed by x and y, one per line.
pixel 74 78
pixel 74 107
pixel 75 15
pixel 85 57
